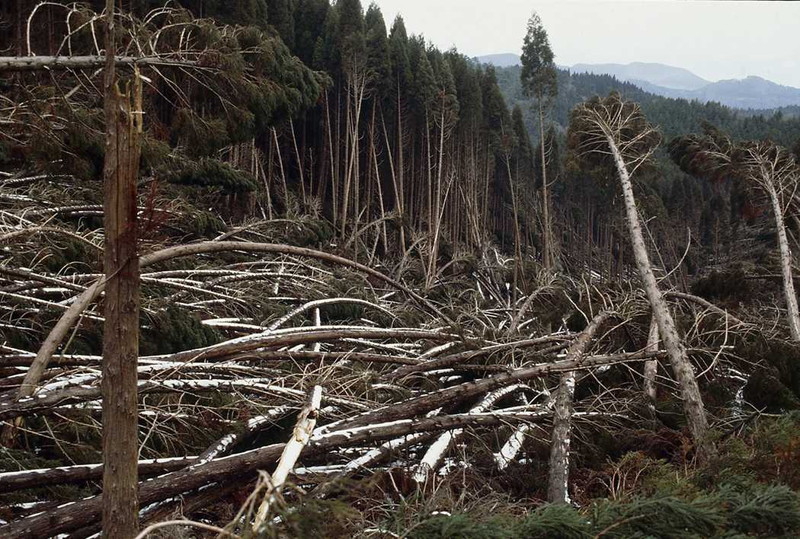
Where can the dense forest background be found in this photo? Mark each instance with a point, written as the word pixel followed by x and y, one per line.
pixel 326 199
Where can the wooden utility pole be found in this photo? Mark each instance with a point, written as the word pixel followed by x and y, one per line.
pixel 121 329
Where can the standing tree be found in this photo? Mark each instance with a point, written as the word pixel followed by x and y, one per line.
pixel 539 81
pixel 615 129
pixel 400 80
pixel 123 117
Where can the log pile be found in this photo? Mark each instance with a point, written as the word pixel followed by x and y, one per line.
pixel 405 379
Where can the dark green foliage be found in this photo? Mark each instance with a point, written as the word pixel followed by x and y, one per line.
pixel 495 113
pixel 201 224
pixel 154 153
pixel 762 510
pixel 309 17
pixel 377 48
pixel 728 285
pixel 458 527
pixel 12 460
pixel 399 56
pixel 77 148
pixel 538 74
pixel 242 12
pixel 282 19
pixel 659 517
pixel 423 83
pixel 316 518
pixel 308 233
pixel 174 330
pixel 208 172
pixel 554 521
pixel 71 255
pixel 467 81
pixel 775 385
pixel 351 26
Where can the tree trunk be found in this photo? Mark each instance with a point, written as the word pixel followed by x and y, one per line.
pixel 558 473
pixel 121 329
pixel 681 366
pixel 651 367
pixel 519 277
pixel 786 267
pixel 547 247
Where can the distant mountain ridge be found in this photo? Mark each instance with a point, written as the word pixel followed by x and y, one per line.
pixel 669 81
pixel 657 74
pixel 500 60
pixel 749 93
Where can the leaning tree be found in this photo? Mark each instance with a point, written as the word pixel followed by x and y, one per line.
pixel 767 169
pixel 617 130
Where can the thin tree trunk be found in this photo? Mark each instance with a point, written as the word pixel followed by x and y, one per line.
pixel 547 247
pixel 518 268
pixel 681 366
pixel 786 267
pixel 304 203
pixel 558 472
pixel 283 172
pixel 400 169
pixel 651 367
pixel 121 328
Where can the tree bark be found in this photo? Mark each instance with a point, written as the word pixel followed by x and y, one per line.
pixel 786 266
pixel 547 247
pixel 36 63
pixel 681 366
pixel 558 473
pixel 123 118
pixel 76 515
pixel 651 367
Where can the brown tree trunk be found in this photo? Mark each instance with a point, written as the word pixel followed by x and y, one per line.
pixel 121 328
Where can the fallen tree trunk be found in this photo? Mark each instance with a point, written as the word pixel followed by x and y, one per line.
pixel 38 63
pixel 83 513
pixel 455 359
pixel 43 477
pixel 425 403
pixel 62 327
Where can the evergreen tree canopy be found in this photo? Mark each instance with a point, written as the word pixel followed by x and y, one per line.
pixel 538 73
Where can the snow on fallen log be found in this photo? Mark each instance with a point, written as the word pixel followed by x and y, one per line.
pixel 442 445
pixel 76 515
pixel 42 477
pixel 303 430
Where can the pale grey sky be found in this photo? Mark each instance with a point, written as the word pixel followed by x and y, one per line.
pixel 714 39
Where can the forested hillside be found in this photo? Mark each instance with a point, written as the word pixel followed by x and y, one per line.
pixel 282 268
pixel 673 116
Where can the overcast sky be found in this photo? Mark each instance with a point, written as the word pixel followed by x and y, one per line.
pixel 714 39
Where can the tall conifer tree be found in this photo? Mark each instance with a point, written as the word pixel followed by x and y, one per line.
pixel 539 81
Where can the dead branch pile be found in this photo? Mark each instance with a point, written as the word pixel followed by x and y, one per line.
pixel 238 331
